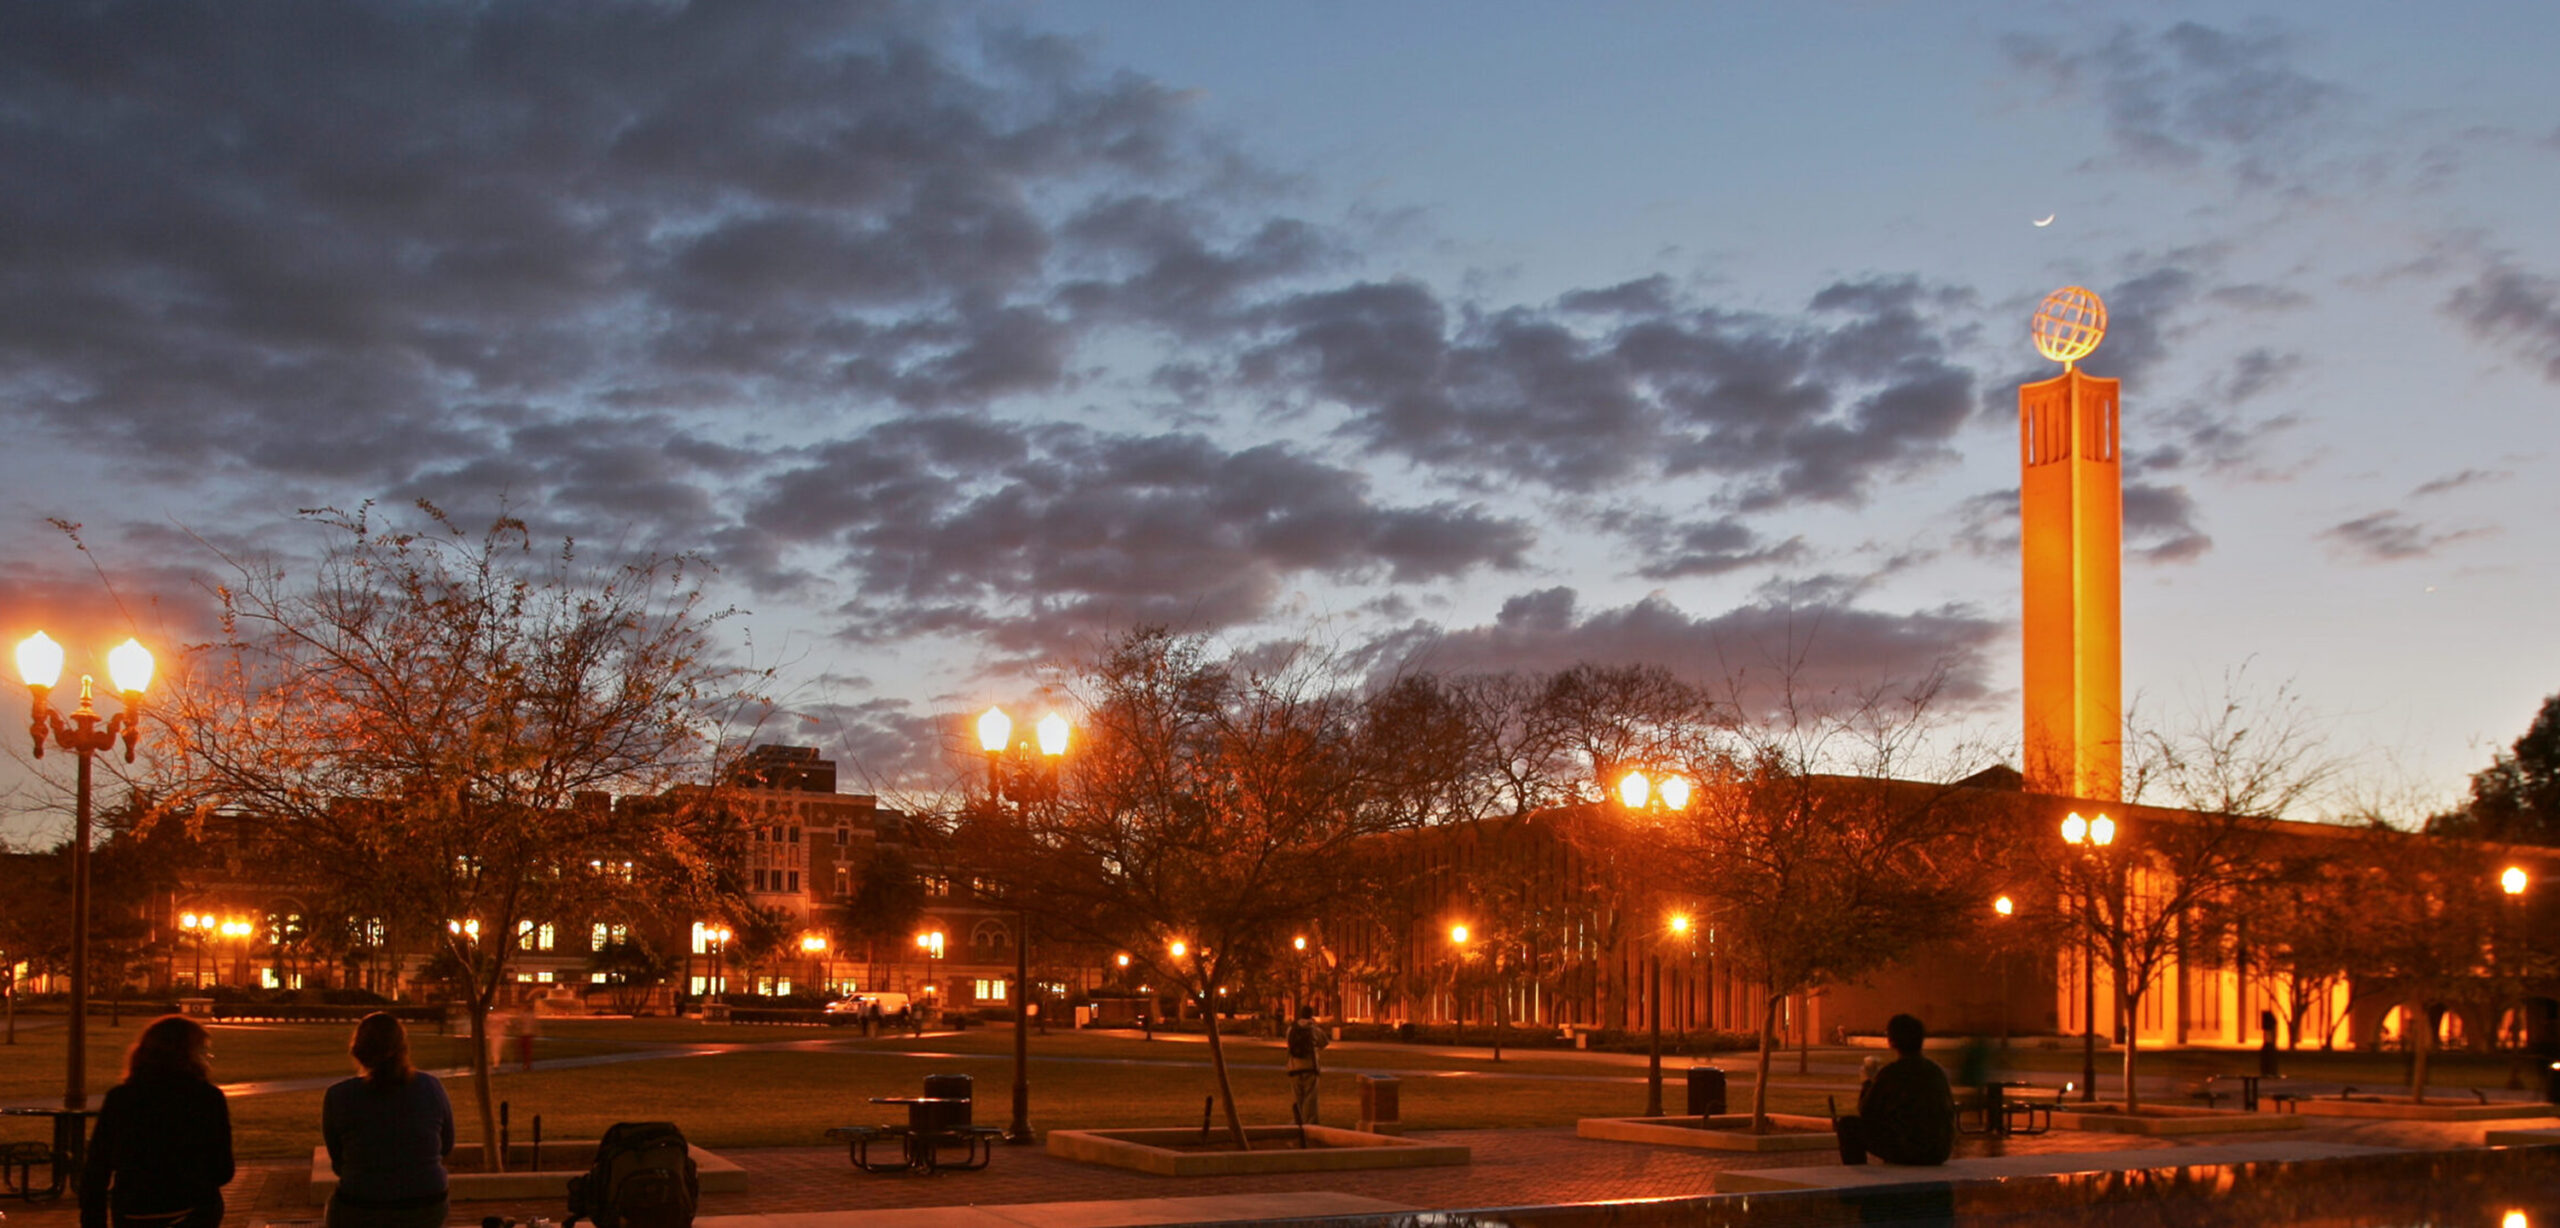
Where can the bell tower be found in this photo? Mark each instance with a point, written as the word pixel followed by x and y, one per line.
pixel 2071 528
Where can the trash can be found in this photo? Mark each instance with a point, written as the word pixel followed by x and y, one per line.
pixel 1379 1111
pixel 950 1087
pixel 1706 1091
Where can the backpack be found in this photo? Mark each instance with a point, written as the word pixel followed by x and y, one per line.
pixel 1302 1041
pixel 643 1177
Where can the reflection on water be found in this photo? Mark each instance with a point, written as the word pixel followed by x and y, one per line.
pixel 2506 1187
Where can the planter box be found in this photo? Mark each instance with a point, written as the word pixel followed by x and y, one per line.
pixel 2401 1108
pixel 1729 1132
pixel 2171 1120
pixel 467 1184
pixel 1166 1153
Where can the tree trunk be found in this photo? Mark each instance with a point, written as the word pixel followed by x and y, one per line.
pixel 1804 1032
pixel 1226 1086
pixel 2420 1045
pixel 478 1004
pixel 1768 1049
pixel 2126 1006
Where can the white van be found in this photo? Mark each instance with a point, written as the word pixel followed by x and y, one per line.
pixel 888 1006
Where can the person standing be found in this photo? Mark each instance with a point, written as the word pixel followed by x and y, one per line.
pixel 1306 1040
pixel 162 1150
pixel 388 1131
pixel 1907 1113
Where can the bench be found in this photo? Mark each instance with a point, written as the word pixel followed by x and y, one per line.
pixel 22 1159
pixel 2033 1104
pixel 919 1150
pixel 858 1141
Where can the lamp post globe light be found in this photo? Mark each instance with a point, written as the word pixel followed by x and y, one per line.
pixel 84 735
pixel 2091 837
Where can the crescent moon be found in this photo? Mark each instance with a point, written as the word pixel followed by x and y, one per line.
pixel 2046 220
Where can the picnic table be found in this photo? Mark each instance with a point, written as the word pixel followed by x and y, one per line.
pixel 61 1157
pixel 934 1124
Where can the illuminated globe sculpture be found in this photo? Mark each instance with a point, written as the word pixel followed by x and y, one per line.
pixel 2069 324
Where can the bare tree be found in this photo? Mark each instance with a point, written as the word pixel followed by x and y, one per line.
pixel 1828 853
pixel 1212 811
pixel 431 722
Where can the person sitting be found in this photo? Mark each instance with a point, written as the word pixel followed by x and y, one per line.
pixel 1907 1113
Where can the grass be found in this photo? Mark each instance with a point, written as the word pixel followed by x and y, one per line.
pixel 761 1086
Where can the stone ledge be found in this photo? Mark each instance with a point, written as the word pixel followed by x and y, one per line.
pixel 2049 1164
pixel 718 1174
pixel 1331 1150
pixel 2400 1108
pixel 2168 1120
pixel 1726 1132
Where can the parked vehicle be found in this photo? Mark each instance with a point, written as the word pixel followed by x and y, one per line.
pixel 890 1007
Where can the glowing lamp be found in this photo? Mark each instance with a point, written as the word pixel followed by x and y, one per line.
pixel 2074 828
pixel 1124 961
pixel 1053 734
pixel 40 660
pixel 2514 881
pixel 129 664
pixel 1179 948
pixel 1632 790
pixel 2003 906
pixel 1674 791
pixel 1679 923
pixel 813 944
pixel 995 730
pixel 1298 943
pixel 2102 831
pixel 1458 934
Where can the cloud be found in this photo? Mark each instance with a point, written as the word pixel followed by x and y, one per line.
pixel 2390 537
pixel 1824 650
pixel 2514 308
pixel 1711 548
pixel 2191 94
pixel 1622 385
pixel 370 243
pixel 2455 481
pixel 1030 534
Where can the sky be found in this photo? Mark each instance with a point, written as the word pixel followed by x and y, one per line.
pixel 1452 336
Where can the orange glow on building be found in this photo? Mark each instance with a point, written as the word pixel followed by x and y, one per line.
pixel 2071 525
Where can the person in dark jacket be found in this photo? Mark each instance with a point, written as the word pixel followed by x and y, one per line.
pixel 162 1150
pixel 1907 1113
pixel 388 1131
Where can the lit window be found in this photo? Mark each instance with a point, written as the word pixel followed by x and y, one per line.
pixel 990 990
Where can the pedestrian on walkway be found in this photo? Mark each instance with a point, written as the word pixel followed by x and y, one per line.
pixel 162 1150
pixel 1306 1040
pixel 388 1131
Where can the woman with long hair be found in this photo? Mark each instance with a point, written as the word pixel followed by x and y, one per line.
pixel 162 1150
pixel 388 1131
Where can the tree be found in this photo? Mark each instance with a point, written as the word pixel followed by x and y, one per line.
pixel 431 719
pixel 1212 810
pixel 887 898
pixel 2432 924
pixel 2231 767
pixel 630 968
pixel 1821 862
pixel 2516 797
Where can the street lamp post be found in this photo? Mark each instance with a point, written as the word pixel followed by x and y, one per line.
pixel 1645 795
pixel 2090 836
pixel 716 939
pixel 84 735
pixel 815 947
pixel 2006 908
pixel 995 737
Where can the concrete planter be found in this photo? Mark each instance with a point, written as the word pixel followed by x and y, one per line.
pixel 1328 1150
pixel 1730 1132
pixel 467 1184
pixel 2165 1120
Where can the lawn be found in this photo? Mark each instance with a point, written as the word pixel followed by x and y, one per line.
pixel 761 1086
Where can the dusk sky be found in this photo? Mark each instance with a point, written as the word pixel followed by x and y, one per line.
pixel 1460 336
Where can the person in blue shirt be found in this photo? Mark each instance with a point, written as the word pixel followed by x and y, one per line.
pixel 388 1131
